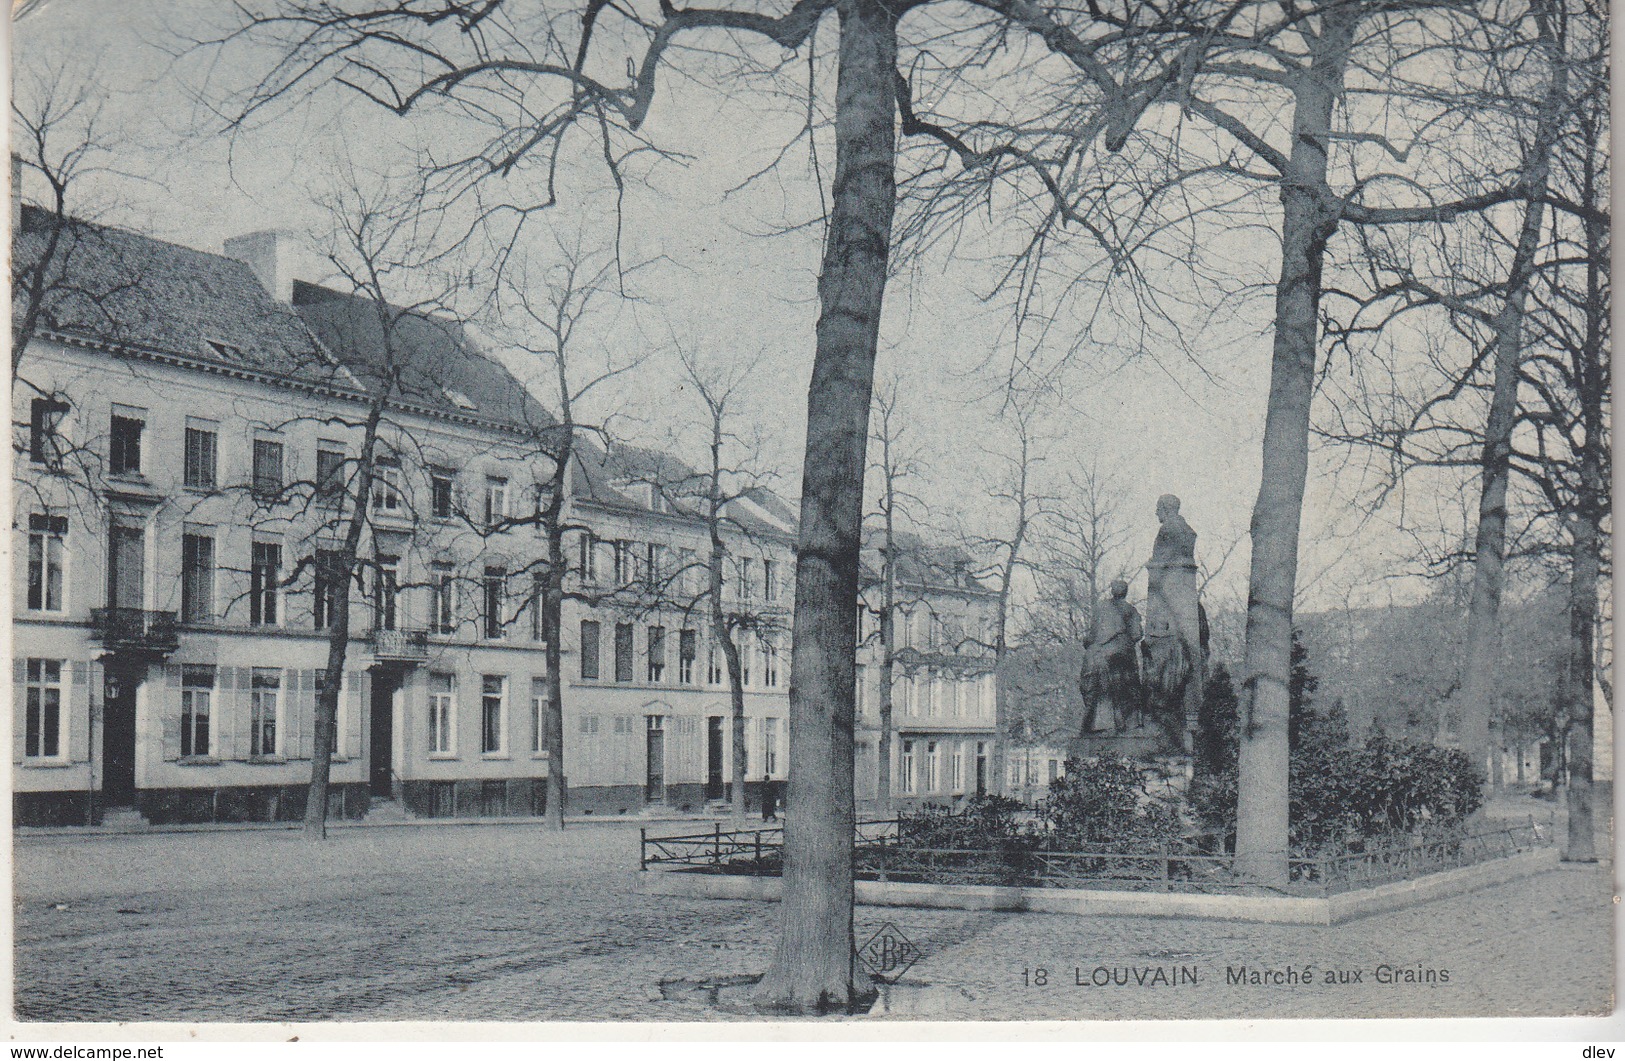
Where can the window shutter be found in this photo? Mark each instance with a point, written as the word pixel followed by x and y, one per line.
pixel 19 709
pixel 76 716
pixel 220 725
pixel 242 713
pixel 360 684
pixel 169 713
pixel 293 711
pixel 306 706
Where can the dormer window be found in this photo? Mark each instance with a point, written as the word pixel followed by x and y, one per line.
pixel 225 350
pixel 457 398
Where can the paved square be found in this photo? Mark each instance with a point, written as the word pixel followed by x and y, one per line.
pixel 505 922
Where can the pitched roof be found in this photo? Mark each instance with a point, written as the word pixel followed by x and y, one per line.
pixel 111 285
pixel 439 365
pixel 609 474
pixel 922 563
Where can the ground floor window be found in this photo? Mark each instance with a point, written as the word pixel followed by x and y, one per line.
pixel 43 723
pixel 907 767
pixel 442 710
pixel 267 691
pixel 197 695
pixel 493 702
pixel 538 714
pixel 932 774
pixel 770 746
pixel 956 768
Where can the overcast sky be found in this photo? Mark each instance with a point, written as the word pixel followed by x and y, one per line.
pixel 731 282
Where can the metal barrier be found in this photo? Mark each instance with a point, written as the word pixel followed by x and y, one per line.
pixel 879 855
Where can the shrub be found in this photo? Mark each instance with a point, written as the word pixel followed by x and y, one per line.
pixel 1343 794
pixel 987 823
pixel 1103 801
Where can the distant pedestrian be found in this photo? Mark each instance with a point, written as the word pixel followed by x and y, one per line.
pixel 770 801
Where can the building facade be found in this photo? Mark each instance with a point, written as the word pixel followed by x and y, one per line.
pixel 944 691
pixel 186 443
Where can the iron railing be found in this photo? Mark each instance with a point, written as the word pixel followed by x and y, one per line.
pixel 135 630
pixel 405 645
pixel 879 854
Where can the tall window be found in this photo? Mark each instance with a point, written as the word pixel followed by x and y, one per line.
pixel 42 737
pixel 267 467
pixel 493 703
pixel 386 592
pixel 770 580
pixel 496 501
pixel 860 695
pixel 688 643
pixel 495 580
pixel 538 591
pixel 622 559
pixel 124 443
pixel 329 572
pixel 442 712
pixel 589 649
pixel 770 746
pixel 45 430
pixel 197 577
pixel 770 661
pixel 654 567
pixel 538 715
pixel 339 727
pixel 264 571
pixel 747 577
pixel 386 484
pixel 906 762
pixel 197 694
pixel 657 654
pixel 330 474
pixel 933 689
pixel 956 767
pixel 442 599
pixel 623 652
pixel 440 493
pixel 587 564
pixel 713 664
pixel 47 536
pixel 266 690
pixel 201 456
pixel 747 649
pixel 932 776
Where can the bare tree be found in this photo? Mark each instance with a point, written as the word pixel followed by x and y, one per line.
pixel 541 318
pixel 894 464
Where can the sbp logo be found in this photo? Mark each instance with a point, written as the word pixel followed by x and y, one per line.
pixel 888 954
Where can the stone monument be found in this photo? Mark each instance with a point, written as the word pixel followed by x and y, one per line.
pixel 1142 684
pixel 1175 646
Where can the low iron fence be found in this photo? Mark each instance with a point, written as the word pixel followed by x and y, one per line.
pixel 880 854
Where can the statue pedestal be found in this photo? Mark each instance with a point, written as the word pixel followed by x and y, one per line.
pixel 1144 744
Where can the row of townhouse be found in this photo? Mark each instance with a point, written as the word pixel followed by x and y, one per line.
pixel 187 428
pixel 944 687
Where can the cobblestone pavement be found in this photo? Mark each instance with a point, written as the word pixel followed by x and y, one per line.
pixel 514 924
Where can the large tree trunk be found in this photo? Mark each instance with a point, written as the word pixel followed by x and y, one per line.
pixel 1306 226
pixel 1483 660
pixel 812 969
pixel 338 638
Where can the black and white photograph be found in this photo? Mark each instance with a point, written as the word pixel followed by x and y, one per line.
pixel 808 514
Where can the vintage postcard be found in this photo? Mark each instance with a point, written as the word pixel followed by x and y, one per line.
pixel 821 512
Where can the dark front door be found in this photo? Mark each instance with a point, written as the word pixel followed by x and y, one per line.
pixel 654 782
pixel 118 737
pixel 713 758
pixel 126 568
pixel 381 734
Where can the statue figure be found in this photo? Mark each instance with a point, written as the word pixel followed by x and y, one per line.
pixel 1175 645
pixel 1110 680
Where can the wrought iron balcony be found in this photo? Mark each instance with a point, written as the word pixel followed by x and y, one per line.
pixel 135 632
pixel 400 646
